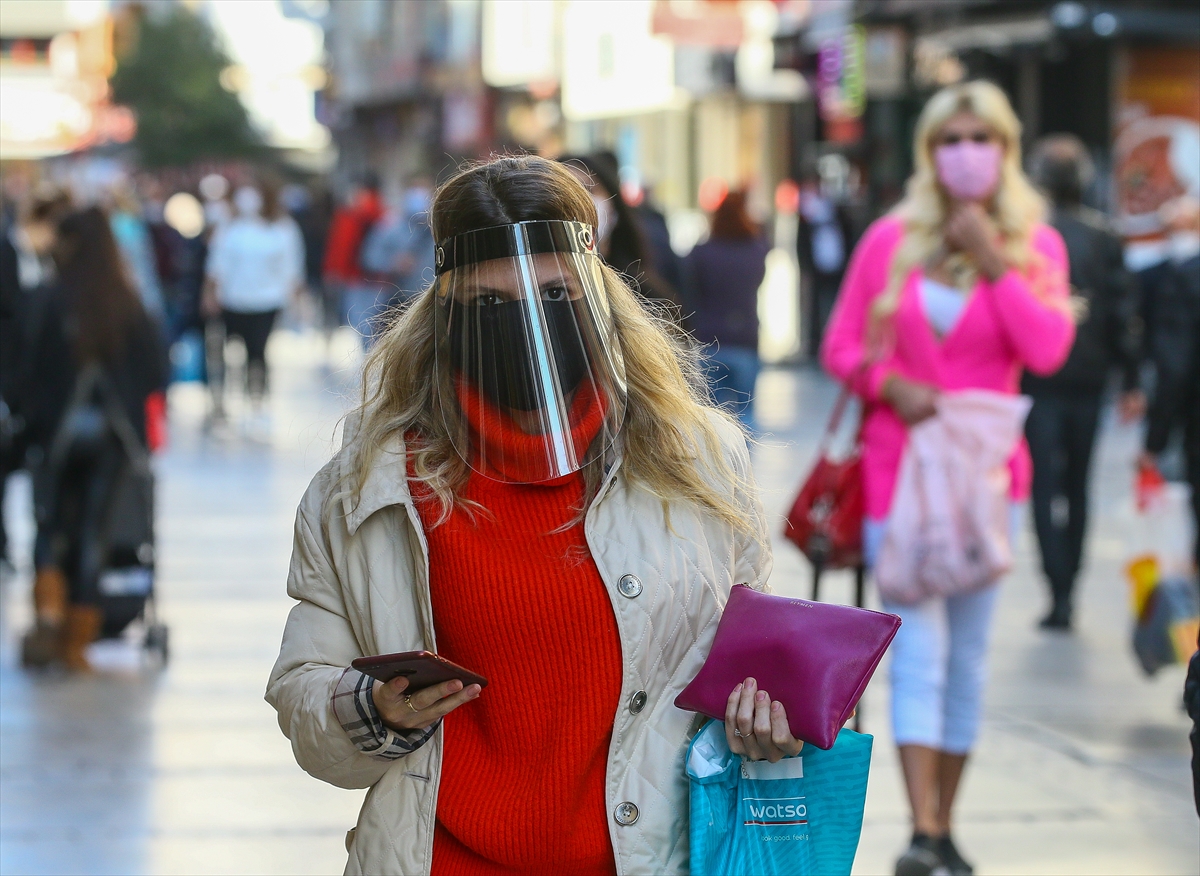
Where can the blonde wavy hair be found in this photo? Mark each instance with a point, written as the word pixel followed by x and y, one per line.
pixel 1016 208
pixel 669 442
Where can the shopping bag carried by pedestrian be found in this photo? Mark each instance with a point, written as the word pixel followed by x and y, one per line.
pixel 1163 592
pixel 826 519
pixel 801 816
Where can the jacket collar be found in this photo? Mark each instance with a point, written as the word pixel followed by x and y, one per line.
pixel 386 483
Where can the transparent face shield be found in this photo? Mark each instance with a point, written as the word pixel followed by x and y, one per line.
pixel 529 374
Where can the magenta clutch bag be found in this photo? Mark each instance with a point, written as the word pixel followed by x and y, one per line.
pixel 814 657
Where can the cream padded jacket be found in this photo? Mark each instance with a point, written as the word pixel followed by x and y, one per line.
pixel 359 571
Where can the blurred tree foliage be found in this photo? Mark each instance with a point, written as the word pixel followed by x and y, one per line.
pixel 170 76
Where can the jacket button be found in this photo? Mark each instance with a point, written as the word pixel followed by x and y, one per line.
pixel 626 813
pixel 630 586
pixel 637 702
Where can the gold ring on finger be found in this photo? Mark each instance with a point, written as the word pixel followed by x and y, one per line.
pixel 408 702
pixel 737 732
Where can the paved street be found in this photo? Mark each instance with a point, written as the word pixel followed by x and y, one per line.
pixel 1082 766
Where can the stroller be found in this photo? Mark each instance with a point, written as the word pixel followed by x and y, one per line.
pixel 95 503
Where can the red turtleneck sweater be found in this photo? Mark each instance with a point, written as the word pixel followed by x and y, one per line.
pixel 523 770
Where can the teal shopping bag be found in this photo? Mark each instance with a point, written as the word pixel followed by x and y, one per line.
pixel 799 817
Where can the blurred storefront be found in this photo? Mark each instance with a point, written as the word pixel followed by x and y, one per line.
pixel 55 59
pixel 684 94
pixel 693 96
pixel 404 95
pixel 1123 77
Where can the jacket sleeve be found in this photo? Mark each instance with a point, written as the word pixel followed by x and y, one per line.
pixel 318 644
pixel 844 352
pixel 1032 307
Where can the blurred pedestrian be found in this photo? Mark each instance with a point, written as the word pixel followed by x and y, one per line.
pixel 619 236
pixel 214 189
pixel 1061 428
pixel 723 275
pixel 312 209
pixel 398 251
pixel 186 245
pixel 959 288
pixel 363 299
pixel 823 239
pixel 255 266
pixel 91 325
pixel 526 392
pixel 1173 347
pixel 137 248
pixel 658 238
pixel 26 270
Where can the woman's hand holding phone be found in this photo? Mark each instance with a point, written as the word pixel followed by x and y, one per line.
pixel 427 706
pixel 757 727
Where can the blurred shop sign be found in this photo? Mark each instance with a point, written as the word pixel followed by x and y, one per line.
pixel 999 34
pixel 613 64
pixel 885 62
pixel 462 120
pixel 1156 156
pixel 518 42
pixel 47 18
pixel 757 76
pixel 841 84
pixel 698 22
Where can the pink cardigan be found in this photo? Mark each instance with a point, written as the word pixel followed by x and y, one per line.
pixel 1004 328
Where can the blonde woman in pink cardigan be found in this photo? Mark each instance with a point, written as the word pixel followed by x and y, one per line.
pixel 960 287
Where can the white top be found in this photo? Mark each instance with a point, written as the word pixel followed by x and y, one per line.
pixel 256 264
pixel 943 305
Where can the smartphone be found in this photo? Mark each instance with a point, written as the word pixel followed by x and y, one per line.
pixel 422 669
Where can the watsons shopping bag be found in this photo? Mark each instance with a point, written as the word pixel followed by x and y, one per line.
pixel 799 817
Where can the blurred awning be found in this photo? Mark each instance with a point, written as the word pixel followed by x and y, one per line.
pixel 993 35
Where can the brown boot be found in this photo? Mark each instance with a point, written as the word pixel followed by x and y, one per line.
pixel 50 595
pixel 43 644
pixel 82 628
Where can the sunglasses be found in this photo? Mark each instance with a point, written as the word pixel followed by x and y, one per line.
pixel 977 137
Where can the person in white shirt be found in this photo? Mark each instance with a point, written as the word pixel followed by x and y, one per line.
pixel 255 264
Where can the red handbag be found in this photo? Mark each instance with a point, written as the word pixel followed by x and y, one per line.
pixel 826 520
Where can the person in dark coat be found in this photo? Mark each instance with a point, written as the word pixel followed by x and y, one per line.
pixel 1061 428
pixel 91 321
pixel 1173 346
pixel 26 267
pixel 658 238
pixel 723 274
pixel 824 240
pixel 620 237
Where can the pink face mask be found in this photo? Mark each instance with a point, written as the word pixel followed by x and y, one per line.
pixel 967 169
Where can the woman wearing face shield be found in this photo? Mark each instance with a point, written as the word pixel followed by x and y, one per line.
pixel 961 287
pixel 535 488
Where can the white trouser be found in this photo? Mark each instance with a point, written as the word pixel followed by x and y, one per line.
pixel 939 661
pixel 939 666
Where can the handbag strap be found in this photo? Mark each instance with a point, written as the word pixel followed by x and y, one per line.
pixel 839 410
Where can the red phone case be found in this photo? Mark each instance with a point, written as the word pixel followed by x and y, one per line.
pixel 423 669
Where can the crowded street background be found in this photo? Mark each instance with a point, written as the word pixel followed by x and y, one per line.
pixel 218 215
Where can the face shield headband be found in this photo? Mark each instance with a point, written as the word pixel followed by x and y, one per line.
pixel 530 376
